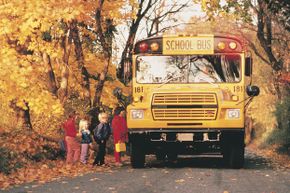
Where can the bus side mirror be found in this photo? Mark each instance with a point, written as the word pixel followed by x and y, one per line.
pixel 252 90
pixel 137 66
pixel 248 66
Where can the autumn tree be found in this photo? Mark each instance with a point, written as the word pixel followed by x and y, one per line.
pixel 44 56
pixel 150 14
pixel 25 57
pixel 265 26
pixel 272 29
pixel 270 36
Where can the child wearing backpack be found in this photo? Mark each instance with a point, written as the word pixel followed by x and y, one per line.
pixel 101 134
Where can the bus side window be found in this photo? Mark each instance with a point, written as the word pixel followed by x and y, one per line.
pixel 138 66
pixel 235 68
pixel 218 68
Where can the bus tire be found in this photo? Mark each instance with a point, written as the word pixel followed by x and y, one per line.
pixel 234 157
pixel 137 156
pixel 234 150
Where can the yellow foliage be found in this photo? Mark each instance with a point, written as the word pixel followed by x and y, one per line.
pixel 22 76
pixel 21 82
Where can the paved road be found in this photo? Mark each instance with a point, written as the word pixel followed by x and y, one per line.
pixel 192 175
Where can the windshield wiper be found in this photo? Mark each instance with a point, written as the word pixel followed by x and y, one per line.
pixel 211 83
pixel 170 79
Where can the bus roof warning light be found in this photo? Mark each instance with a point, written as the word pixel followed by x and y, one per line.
pixel 221 45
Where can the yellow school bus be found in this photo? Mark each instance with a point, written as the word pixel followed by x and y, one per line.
pixel 189 97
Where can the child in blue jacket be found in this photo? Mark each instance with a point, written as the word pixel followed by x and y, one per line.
pixel 86 140
pixel 101 134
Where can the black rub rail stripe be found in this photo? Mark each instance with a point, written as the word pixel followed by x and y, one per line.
pixel 178 124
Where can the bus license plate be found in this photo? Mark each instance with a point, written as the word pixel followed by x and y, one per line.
pixel 185 136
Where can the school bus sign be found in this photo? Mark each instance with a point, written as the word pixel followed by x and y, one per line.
pixel 188 45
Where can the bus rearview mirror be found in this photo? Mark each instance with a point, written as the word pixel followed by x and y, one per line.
pixel 253 90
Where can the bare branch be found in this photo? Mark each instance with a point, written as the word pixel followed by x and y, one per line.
pixel 254 48
pixel 169 27
pixel 172 10
pixel 160 17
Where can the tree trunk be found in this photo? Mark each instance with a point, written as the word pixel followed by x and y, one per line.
pixel 100 84
pixel 264 35
pixel 126 54
pixel 81 64
pixel 50 74
pixel 22 115
pixel 63 89
pixel 106 43
pixel 248 129
pixel 276 84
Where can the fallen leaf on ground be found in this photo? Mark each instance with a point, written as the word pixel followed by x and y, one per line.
pixel 94 179
pixel 180 181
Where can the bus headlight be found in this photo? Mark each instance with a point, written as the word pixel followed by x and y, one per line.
pixel 137 114
pixel 233 113
pixel 136 99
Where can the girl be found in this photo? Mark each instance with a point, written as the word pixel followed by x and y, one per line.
pixel 72 145
pixel 86 140
pixel 120 131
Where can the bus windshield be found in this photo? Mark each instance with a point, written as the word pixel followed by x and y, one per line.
pixel 188 69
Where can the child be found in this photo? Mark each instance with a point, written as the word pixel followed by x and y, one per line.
pixel 101 134
pixel 120 131
pixel 72 145
pixel 86 138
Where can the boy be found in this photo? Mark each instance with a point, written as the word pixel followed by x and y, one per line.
pixel 101 134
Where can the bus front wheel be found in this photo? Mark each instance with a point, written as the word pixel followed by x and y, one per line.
pixel 234 156
pixel 234 149
pixel 137 156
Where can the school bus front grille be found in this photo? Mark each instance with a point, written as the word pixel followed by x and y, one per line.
pixel 185 114
pixel 184 99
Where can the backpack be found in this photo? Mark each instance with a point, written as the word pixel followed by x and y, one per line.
pixel 95 132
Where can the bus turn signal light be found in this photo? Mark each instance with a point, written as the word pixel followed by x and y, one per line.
pixel 235 98
pixel 221 45
pixel 154 46
pixel 136 99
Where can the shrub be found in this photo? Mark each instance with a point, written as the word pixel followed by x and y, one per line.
pixel 8 161
pixel 281 135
